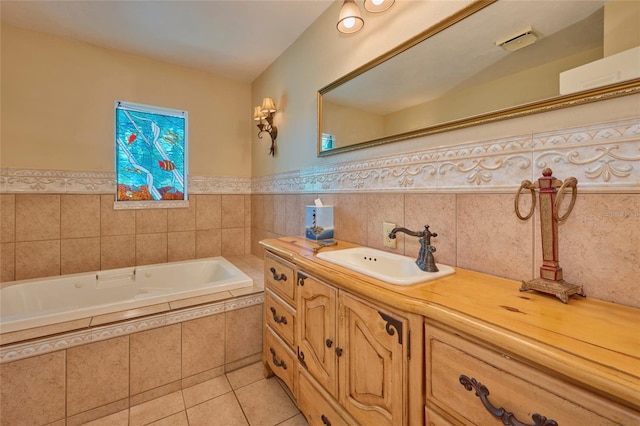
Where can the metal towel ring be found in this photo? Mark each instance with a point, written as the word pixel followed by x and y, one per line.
pixel 526 184
pixel 572 183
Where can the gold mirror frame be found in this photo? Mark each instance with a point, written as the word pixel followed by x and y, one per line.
pixel 624 88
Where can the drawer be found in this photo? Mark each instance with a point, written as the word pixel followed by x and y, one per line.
pixel 280 317
pixel 279 277
pixel 456 369
pixel 280 359
pixel 314 404
pixel 433 418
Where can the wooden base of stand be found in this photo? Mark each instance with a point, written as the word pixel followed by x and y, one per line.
pixel 561 289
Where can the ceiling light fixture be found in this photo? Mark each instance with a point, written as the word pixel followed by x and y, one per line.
pixel 349 20
pixel 376 6
pixel 265 112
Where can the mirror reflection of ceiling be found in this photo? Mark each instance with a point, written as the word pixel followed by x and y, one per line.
pixel 461 72
pixel 563 28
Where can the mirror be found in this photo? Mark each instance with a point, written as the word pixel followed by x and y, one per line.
pixel 491 61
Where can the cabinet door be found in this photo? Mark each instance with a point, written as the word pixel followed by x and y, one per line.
pixel 316 332
pixel 373 364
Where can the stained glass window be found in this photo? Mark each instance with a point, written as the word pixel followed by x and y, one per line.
pixel 151 153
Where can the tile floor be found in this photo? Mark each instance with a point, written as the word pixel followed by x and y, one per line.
pixel 241 397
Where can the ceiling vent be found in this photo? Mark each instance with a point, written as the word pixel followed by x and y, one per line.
pixel 518 40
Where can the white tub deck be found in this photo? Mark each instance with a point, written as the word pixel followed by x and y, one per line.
pixel 38 307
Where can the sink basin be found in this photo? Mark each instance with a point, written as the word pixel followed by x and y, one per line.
pixel 389 267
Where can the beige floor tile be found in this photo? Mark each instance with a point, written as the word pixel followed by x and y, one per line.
pixel 224 409
pixel 266 403
pixel 156 409
pixel 178 419
pixel 121 418
pixel 246 375
pixel 202 392
pixel 298 420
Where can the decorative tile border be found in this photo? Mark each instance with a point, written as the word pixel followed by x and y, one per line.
pixel 70 182
pixel 45 345
pixel 601 156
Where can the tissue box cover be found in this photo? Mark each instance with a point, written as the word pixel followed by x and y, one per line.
pixel 319 222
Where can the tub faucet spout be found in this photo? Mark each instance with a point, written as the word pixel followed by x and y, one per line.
pixel 425 260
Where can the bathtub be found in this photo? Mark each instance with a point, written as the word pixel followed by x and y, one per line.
pixel 32 303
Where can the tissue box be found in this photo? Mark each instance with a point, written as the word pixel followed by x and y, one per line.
pixel 319 222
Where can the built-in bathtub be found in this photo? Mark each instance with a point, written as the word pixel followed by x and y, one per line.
pixel 101 342
pixel 32 303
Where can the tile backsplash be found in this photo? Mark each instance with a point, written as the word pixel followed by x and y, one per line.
pixel 598 243
pixel 53 234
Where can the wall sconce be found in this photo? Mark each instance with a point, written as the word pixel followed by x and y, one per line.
pixel 265 112
pixel 350 21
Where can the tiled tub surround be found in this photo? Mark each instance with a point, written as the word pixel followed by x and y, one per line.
pixel 92 372
pixel 466 194
pixel 46 234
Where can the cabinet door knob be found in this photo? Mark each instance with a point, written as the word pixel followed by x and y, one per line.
pixel 281 277
pixel 508 419
pixel 329 342
pixel 325 420
pixel 339 351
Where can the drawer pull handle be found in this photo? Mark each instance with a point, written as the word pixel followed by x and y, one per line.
pixel 329 342
pixel 325 420
pixel 281 277
pixel 277 363
pixel 508 419
pixel 281 320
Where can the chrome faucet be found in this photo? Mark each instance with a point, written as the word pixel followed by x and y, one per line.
pixel 425 260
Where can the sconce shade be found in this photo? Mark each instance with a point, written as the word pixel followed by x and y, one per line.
pixel 376 6
pixel 268 105
pixel 349 20
pixel 257 113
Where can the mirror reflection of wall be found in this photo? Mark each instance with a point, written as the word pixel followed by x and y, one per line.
pixel 462 72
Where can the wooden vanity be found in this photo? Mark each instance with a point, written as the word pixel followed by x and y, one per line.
pixel 466 349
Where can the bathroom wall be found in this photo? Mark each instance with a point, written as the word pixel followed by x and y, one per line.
pixel 57 160
pixel 58 100
pixel 462 182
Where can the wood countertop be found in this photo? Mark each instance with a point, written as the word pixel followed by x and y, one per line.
pixel 589 342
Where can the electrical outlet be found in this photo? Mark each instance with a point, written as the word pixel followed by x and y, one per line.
pixel 388 242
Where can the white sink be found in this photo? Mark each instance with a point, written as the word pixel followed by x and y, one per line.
pixel 389 267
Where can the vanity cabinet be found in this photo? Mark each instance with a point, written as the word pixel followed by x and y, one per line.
pixel 356 350
pixel 466 349
pixel 468 383
pixel 351 362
